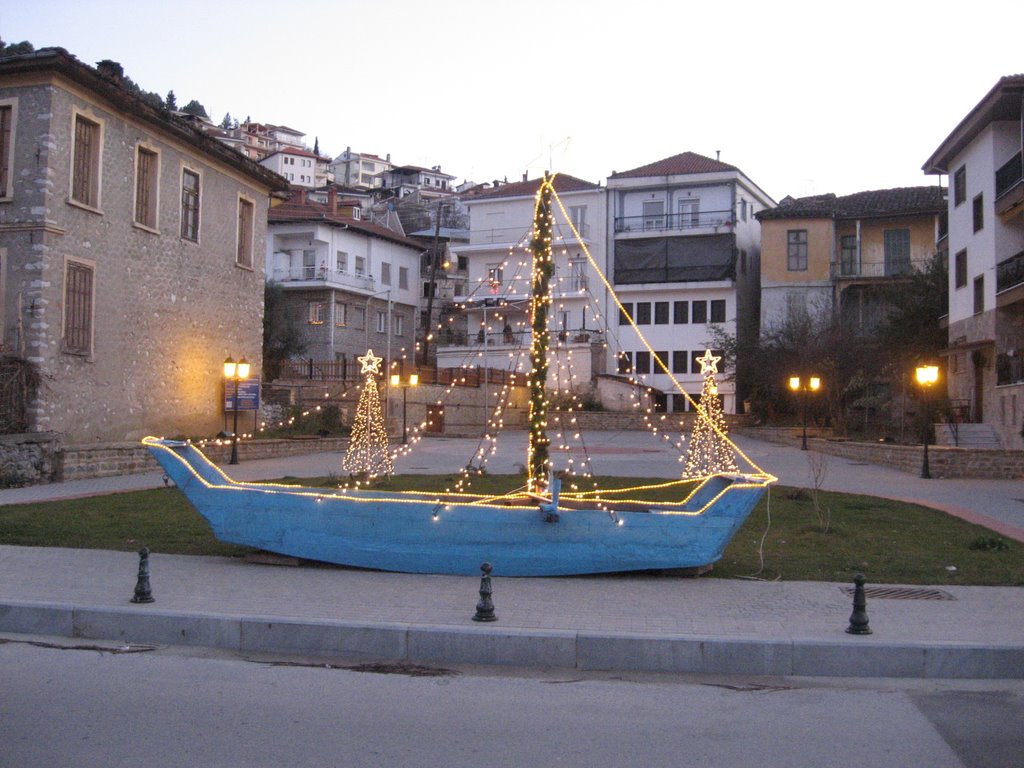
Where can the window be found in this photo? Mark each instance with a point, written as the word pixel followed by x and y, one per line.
pixel 359 317
pixel 399 324
pixel 462 264
pixel 495 275
pixel 679 362
pixel 403 277
pixel 654 214
pixel 961 269
pixel 979 294
pixel 960 185
pixel 643 362
pixel 848 255
pixel 661 313
pixel 85 172
pixel 689 213
pixel 796 250
pixel 695 357
pixel 246 217
pixel 382 322
pixel 743 262
pixel 342 262
pixel 147 175
pixel 385 273
pixel 6 148
pixel 660 361
pixel 743 210
pixel 340 314
pixel 643 313
pixel 78 308
pixel 680 312
pixel 360 266
pixel 625 362
pixel 427 292
pixel 721 363
pixel 700 311
pixel 578 217
pixel 718 310
pixel 190 205
pixel 624 313
pixel 897 251
pixel 979 212
pixel 317 310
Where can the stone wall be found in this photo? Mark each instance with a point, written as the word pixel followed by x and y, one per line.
pixel 943 461
pixel 27 459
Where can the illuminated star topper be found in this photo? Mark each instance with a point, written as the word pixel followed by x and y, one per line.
pixel 709 362
pixel 370 362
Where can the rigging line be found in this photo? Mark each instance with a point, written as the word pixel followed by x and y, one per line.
pixel 702 413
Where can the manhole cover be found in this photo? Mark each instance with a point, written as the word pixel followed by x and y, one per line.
pixel 902 593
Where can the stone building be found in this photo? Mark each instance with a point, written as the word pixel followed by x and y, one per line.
pixel 131 253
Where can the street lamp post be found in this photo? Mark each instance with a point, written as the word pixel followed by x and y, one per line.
pixel 926 376
pixel 235 372
pixel 802 388
pixel 411 381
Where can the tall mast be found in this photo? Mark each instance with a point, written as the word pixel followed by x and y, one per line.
pixel 538 459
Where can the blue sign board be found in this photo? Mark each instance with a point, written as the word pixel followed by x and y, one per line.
pixel 248 395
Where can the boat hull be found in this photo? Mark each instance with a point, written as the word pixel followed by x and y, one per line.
pixel 419 534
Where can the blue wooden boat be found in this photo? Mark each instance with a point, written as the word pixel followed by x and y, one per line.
pixel 415 532
pixel 536 532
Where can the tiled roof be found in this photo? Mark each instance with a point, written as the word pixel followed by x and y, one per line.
pixel 677 165
pixel 901 201
pixel 563 183
pixel 298 209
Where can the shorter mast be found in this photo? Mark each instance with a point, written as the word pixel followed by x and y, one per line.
pixel 538 458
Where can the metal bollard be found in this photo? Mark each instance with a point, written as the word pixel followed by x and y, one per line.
pixel 485 608
pixel 859 617
pixel 143 593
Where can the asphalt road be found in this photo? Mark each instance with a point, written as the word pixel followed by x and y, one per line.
pixel 174 707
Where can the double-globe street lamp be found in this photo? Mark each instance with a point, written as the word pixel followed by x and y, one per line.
pixel 802 388
pixel 927 376
pixel 236 372
pixel 411 380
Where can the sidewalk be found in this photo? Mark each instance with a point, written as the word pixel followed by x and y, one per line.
pixel 646 623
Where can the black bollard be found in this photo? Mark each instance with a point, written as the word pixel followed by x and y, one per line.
pixel 485 608
pixel 859 617
pixel 143 593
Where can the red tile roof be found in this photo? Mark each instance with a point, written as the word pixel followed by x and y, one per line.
pixel 677 165
pixel 563 183
pixel 879 203
pixel 298 208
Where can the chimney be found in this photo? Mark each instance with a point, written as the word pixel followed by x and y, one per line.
pixel 526 175
pixel 110 69
pixel 332 200
pixel 302 197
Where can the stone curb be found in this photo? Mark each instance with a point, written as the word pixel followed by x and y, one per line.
pixel 493 645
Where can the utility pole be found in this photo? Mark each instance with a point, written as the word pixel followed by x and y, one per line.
pixel 428 326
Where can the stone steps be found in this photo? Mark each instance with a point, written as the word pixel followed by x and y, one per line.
pixel 978 436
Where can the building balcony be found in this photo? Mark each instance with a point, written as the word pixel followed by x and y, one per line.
pixel 675 222
pixel 512 235
pixel 316 277
pixel 1010 273
pixel 1010 187
pixel 1010 368
pixel 512 340
pixel 872 270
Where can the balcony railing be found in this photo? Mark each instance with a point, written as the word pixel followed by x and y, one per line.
pixel 329 277
pixel 451 338
pixel 847 270
pixel 485 236
pixel 674 221
pixel 1010 273
pixel 1009 175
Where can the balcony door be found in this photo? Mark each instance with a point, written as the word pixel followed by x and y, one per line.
pixel 654 214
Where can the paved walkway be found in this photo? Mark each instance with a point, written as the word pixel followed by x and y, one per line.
pixel 626 622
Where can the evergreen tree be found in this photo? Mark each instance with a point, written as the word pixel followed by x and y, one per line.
pixel 195 108
pixel 171 101
pixel 227 123
pixel 709 451
pixel 15 49
pixel 316 146
pixel 367 452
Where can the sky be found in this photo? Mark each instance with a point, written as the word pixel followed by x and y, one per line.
pixel 803 97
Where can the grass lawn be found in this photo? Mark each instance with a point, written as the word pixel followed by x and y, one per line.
pixel 844 534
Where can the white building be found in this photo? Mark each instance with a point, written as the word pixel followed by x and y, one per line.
pixel 297 165
pixel 499 274
pixel 359 170
pixel 982 156
pixel 349 284
pixel 684 250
